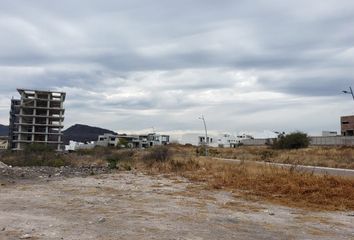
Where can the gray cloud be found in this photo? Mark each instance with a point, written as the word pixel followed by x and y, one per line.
pixel 244 64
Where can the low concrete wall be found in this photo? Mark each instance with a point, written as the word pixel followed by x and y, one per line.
pixel 257 141
pixel 314 141
pixel 332 141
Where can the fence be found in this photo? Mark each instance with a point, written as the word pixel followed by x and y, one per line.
pixel 314 141
pixel 332 141
pixel 257 141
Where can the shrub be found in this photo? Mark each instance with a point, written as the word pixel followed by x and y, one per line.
pixel 38 148
pixel 200 151
pixel 213 152
pixel 112 162
pixel 117 157
pixel 97 151
pixel 158 154
pixel 35 155
pixel 189 164
pixel 293 140
pixel 123 143
pixel 266 155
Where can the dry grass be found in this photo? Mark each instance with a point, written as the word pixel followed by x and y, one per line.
pixel 284 186
pixel 336 157
pixel 94 157
pixel 253 181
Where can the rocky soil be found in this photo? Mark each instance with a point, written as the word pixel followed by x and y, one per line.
pixel 10 175
pixel 73 204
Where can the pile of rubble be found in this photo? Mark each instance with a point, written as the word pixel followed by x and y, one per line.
pixel 3 165
pixel 13 174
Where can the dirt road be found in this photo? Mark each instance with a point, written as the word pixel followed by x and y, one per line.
pixel 128 205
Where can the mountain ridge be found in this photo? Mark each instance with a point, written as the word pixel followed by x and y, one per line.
pixel 76 132
pixel 4 130
pixel 83 133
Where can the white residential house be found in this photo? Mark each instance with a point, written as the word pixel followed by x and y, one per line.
pixel 142 141
pixel 4 143
pixel 225 140
pixel 157 139
pixel 245 137
pixel 132 141
pixel 228 141
pixel 129 141
pixel 210 141
pixel 107 140
pixel 74 146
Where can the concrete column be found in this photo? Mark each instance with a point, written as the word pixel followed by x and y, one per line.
pixel 62 101
pixel 47 120
pixel 59 140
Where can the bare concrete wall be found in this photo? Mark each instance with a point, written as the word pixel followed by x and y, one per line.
pixel 333 141
pixel 257 141
pixel 314 141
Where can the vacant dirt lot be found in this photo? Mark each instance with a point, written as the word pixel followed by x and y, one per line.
pixel 131 205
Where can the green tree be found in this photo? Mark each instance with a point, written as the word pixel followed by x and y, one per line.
pixel 293 140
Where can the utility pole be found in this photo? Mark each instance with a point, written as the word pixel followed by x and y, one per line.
pixel 206 135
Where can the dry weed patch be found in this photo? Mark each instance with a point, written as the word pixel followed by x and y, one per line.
pixel 286 186
pixel 337 157
pixel 253 181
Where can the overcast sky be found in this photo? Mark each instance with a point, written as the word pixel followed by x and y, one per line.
pixel 131 65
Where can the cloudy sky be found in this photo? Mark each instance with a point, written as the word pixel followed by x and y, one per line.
pixel 131 65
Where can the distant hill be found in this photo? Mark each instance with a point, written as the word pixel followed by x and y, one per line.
pixel 4 130
pixel 77 132
pixel 83 133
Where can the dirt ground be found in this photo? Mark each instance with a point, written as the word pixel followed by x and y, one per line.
pixel 131 205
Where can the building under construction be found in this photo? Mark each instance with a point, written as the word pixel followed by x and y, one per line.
pixel 36 118
pixel 347 125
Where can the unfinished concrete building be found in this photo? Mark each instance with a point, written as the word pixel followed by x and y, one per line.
pixel 132 141
pixel 347 125
pixel 36 118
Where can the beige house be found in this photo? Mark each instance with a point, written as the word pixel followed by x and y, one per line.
pixel 3 144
